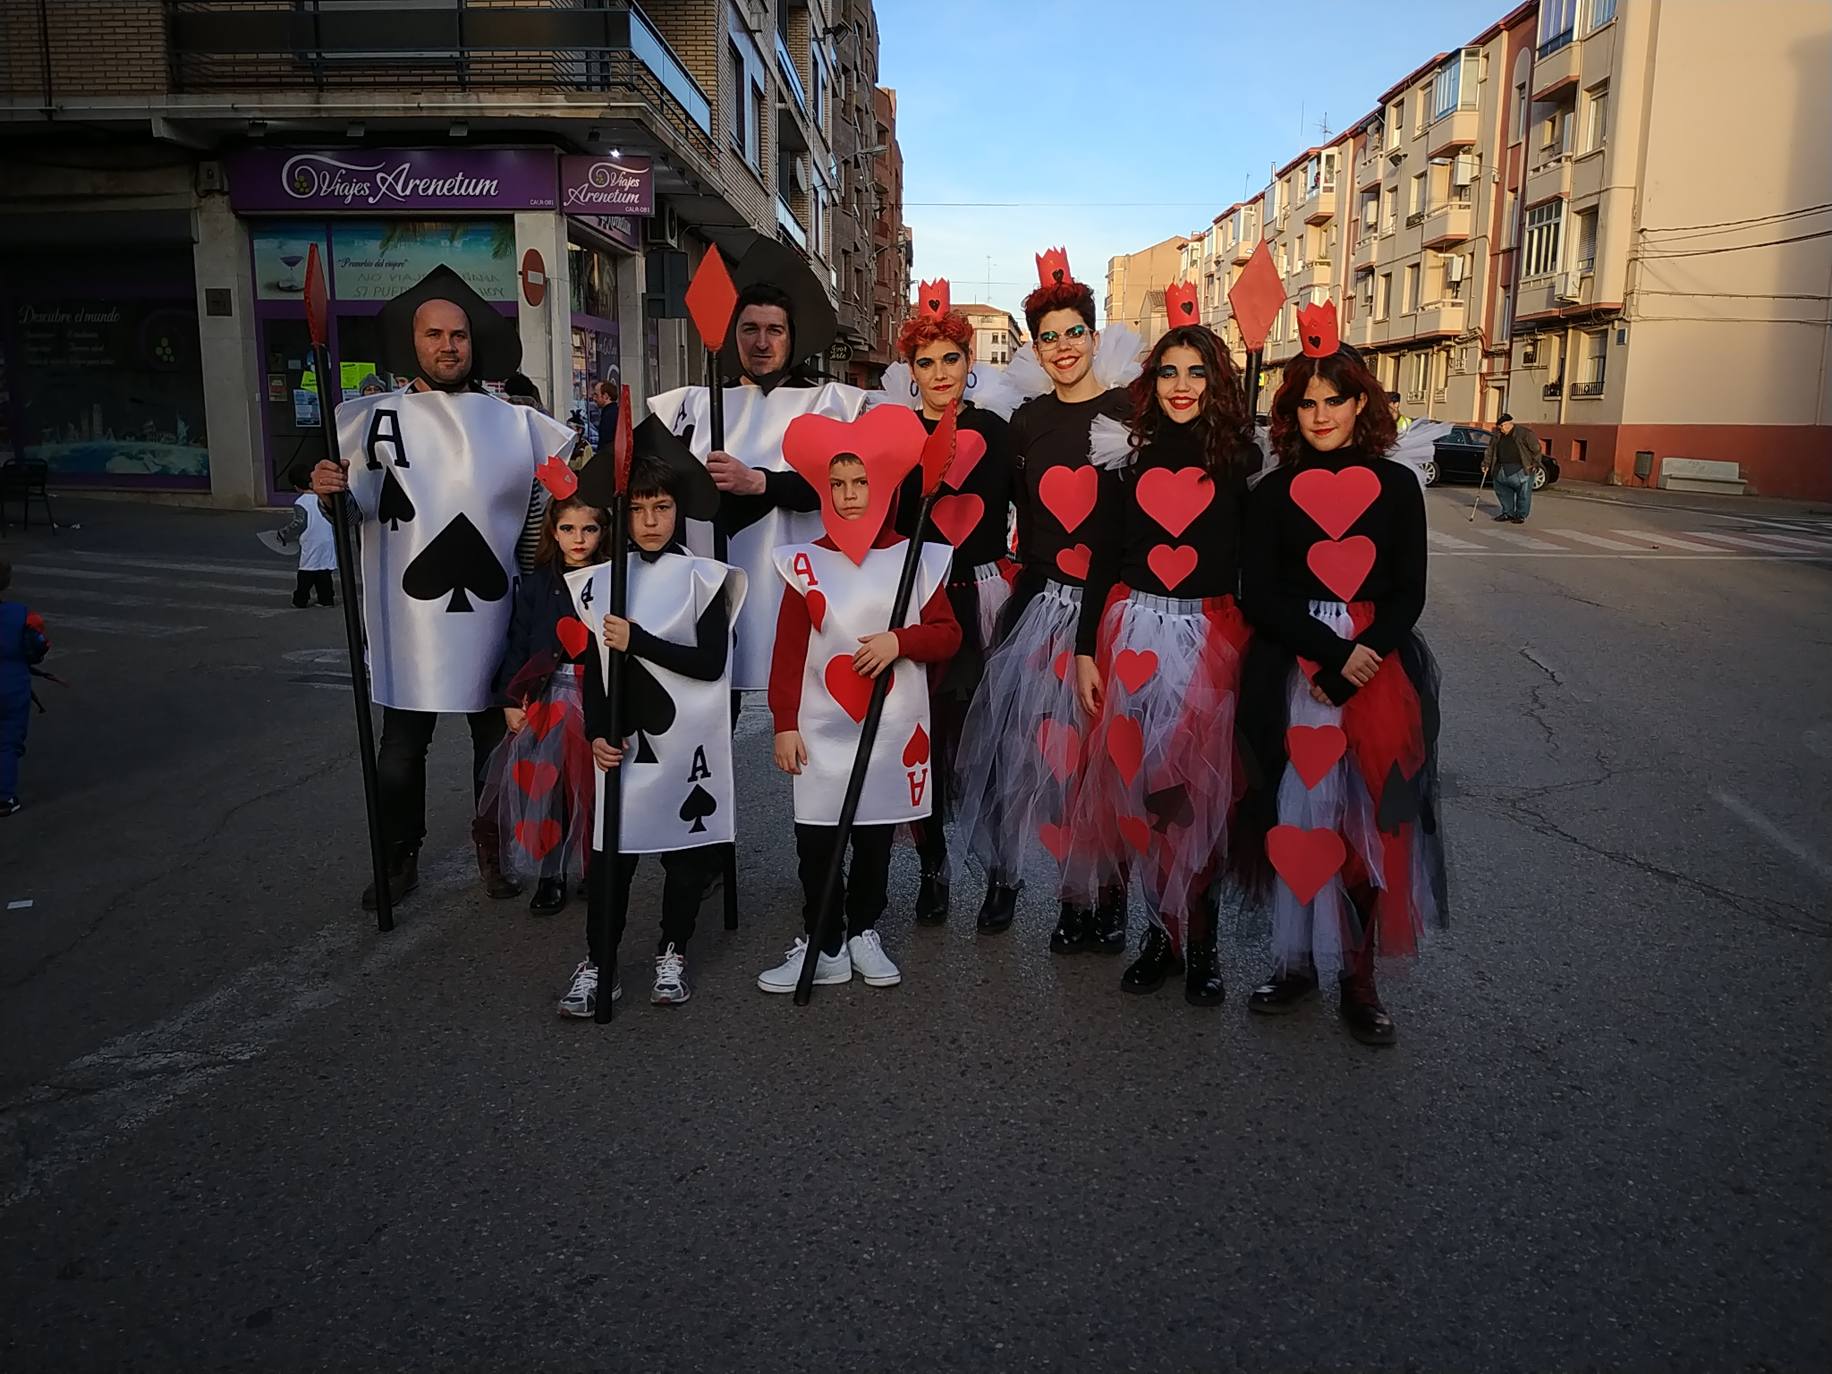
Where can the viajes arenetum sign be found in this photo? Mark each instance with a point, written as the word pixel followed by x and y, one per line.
pixel 621 185
pixel 383 180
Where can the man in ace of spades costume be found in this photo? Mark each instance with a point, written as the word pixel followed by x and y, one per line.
pixel 442 479
pixel 782 317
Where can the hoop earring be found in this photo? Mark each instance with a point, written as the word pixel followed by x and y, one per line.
pixel 915 391
pixel 973 379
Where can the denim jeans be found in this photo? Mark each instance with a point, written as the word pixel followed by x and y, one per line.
pixel 1514 490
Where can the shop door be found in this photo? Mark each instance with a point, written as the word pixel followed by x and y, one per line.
pixel 289 409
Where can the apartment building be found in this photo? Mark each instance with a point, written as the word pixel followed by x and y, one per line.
pixel 1555 219
pixel 172 162
pixel 1136 282
pixel 997 333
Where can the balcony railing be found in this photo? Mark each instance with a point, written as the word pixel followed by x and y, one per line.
pixel 786 65
pixel 1554 43
pixel 1587 388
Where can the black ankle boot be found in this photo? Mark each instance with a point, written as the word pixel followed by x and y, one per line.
pixel 1108 935
pixel 1074 930
pixel 1283 992
pixel 1367 1020
pixel 549 897
pixel 1000 906
pixel 1202 973
pixel 403 875
pixel 1158 959
pixel 931 900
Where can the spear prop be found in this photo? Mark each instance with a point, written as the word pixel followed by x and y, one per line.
pixel 346 574
pixel 711 298
pixel 605 890
pixel 937 458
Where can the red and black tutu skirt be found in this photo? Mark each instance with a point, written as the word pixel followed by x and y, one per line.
pixel 538 784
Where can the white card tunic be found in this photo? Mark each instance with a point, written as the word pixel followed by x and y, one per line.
pixel 754 425
pixel 667 598
pixel 423 466
pixel 858 602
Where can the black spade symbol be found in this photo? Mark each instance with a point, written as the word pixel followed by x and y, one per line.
pixel 648 710
pixel 1169 806
pixel 393 506
pixel 699 805
pixel 459 560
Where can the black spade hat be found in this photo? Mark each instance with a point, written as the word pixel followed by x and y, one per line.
pixel 813 322
pixel 496 343
pixel 694 493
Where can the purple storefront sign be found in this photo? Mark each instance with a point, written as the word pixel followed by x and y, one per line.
pixel 379 180
pixel 622 185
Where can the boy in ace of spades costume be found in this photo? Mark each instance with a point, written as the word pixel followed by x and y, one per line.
pixel 832 641
pixel 442 481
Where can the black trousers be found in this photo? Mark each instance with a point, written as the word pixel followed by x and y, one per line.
pixel 319 582
pixel 686 876
pixel 859 895
pixel 401 770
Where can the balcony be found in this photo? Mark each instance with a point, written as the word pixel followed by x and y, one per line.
pixel 1557 68
pixel 1449 223
pixel 1548 176
pixel 1439 318
pixel 1305 275
pixel 1320 205
pixel 785 65
pixel 1364 249
pixel 1458 129
pixel 1369 170
pixel 1244 249
pixel 1360 330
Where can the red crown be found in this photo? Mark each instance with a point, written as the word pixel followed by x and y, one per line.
pixel 932 298
pixel 1053 267
pixel 1180 304
pixel 1317 330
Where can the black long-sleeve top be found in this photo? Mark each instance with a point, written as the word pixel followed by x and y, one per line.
pixel 1126 533
pixel 1049 433
pixel 541 603
pixel 1277 584
pixel 703 660
pixel 994 479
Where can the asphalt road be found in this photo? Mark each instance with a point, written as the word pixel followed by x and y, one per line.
pixel 239 1128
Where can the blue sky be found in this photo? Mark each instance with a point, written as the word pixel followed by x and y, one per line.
pixel 1187 104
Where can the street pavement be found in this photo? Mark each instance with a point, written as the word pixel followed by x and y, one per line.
pixel 239 1128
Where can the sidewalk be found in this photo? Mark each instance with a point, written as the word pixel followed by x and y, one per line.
pixel 1701 503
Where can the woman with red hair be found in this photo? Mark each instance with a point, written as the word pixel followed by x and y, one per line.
pixel 1339 698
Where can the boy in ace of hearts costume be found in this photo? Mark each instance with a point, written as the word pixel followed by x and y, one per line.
pixel 832 640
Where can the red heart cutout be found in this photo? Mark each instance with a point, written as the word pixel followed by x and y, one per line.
pixel 1335 500
pixel 917 750
pixel 1074 561
pixel 573 635
pixel 887 439
pixel 1310 667
pixel 535 778
pixel 848 688
pixel 1068 494
pixel 817 610
pixel 537 837
pixel 543 716
pixel 1062 666
pixel 1055 839
pixel 1314 750
pixel 969 448
pixel 1171 563
pixel 1342 565
pixel 1126 746
pixel 1136 833
pixel 1174 499
pixel 1305 859
pixel 1134 667
pixel 559 479
pixel 955 517
pixel 1060 746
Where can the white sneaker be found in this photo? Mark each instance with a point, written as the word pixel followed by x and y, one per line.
pixel 670 979
pixel 582 997
pixel 873 964
pixel 828 969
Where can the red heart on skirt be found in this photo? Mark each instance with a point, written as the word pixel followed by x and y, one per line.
pixel 535 778
pixel 544 715
pixel 1126 746
pixel 1314 750
pixel 1305 859
pixel 1074 561
pixel 573 635
pixel 537 837
pixel 955 517
pixel 917 750
pixel 1335 500
pixel 1062 666
pixel 848 688
pixel 1134 667
pixel 1176 498
pixel 1055 839
pixel 1171 563
pixel 1068 494
pixel 817 610
pixel 559 479
pixel 1060 747
pixel 1342 565
pixel 1136 833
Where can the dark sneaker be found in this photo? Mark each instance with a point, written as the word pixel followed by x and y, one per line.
pixel 1283 992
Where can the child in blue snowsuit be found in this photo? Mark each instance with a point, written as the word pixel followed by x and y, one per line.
pixel 22 644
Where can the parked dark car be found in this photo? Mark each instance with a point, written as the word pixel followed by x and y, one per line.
pixel 1457 457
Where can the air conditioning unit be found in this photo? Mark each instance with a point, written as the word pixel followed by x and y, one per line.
pixel 1566 291
pixel 1453 268
pixel 1463 170
pixel 663 228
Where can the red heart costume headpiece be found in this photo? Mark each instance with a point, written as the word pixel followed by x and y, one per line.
pixel 1180 304
pixel 1053 267
pixel 1317 334
pixel 887 439
pixel 932 298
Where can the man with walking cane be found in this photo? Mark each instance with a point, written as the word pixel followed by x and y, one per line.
pixel 442 478
pixel 1513 459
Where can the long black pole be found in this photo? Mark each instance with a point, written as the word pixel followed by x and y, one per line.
pixel 610 857
pixel 861 761
pixel 1253 384
pixel 353 636
pixel 715 422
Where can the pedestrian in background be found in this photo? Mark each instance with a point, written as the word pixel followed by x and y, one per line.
pixel 23 644
pixel 1514 458
pixel 317 543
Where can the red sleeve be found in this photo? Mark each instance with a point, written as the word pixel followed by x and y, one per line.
pixel 788 659
pixel 936 638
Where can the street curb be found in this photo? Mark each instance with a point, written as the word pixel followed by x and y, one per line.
pixel 1747 506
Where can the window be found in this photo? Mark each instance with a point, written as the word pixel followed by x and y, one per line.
pixel 1587 241
pixel 1454 87
pixel 1504 313
pixel 1421 103
pixel 1522 107
pixel 1364 288
pixel 1415 374
pixel 1510 228
pixel 1557 18
pixel 754 147
pixel 740 110
pixel 1391 218
pixel 1544 223
pixel 1590 367
pixel 1419 198
pixel 1396 116
pixel 1386 296
pixel 1601 12
pixel 1412 288
pixel 1596 118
